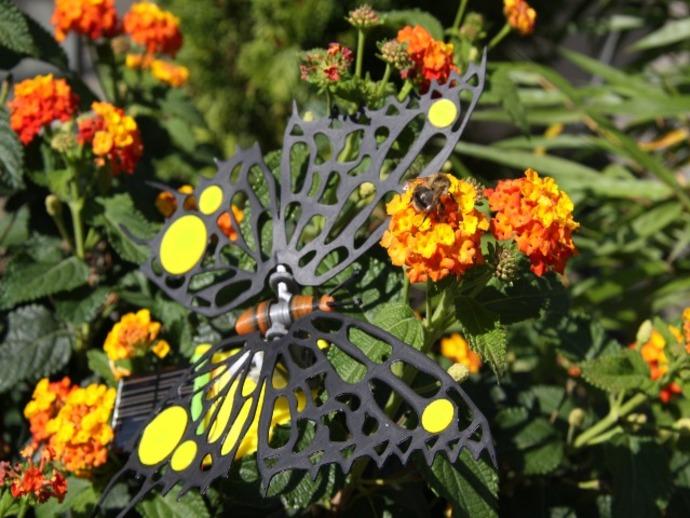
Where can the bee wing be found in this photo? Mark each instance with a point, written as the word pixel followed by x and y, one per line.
pixel 337 173
pixel 353 390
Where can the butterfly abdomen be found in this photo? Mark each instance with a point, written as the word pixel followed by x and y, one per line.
pixel 263 315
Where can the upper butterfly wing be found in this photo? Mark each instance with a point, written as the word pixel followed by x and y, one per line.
pixel 207 420
pixel 215 254
pixel 387 400
pixel 336 173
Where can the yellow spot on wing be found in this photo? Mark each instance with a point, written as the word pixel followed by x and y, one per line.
pixel 438 415
pixel 184 455
pixel 442 113
pixel 183 245
pixel 162 435
pixel 210 199
pixel 252 431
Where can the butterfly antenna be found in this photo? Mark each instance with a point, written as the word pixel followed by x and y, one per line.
pixel 356 276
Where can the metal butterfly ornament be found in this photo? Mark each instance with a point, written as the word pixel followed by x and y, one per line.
pixel 288 234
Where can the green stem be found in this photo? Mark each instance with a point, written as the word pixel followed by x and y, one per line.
pixel 328 102
pixel 75 206
pixel 360 53
pixel 588 436
pixel 4 91
pixel 500 36
pixel 459 15
pixel 62 229
pixel 405 90
pixel 380 89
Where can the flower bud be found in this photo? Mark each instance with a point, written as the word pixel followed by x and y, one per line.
pixel 507 263
pixel 63 142
pixel 576 417
pixel 473 28
pixel 363 18
pixel 644 332
pixel 683 425
pixel 120 44
pixel 395 54
pixel 458 372
pixel 53 205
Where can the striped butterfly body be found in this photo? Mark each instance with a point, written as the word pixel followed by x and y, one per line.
pixel 285 235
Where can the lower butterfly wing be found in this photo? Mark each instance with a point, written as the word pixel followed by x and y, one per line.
pixel 352 390
pixel 207 420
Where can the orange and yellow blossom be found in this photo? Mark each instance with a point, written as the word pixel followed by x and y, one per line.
pixel 538 216
pixel 225 225
pixel 654 354
pixel 114 137
pixel 39 101
pixel 132 336
pixel 78 430
pixel 155 29
pixel 440 243
pixel 457 350
pixel 92 18
pixel 520 16
pixel 169 73
pixel 432 59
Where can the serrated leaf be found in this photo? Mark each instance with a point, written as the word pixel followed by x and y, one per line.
pixel 82 308
pixel 29 281
pixel 14 30
pixel 471 486
pixel 483 330
pixel 98 364
pixel 14 227
pixel 35 345
pixel 170 506
pixel 11 156
pixel 622 371
pixel 121 220
pixel 506 91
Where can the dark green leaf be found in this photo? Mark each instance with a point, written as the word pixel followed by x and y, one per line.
pixel 35 345
pixel 621 371
pixel 484 331
pixel 14 227
pixel 14 31
pixel 11 156
pixel 170 506
pixel 82 306
pixel 506 90
pixel 99 365
pixel 121 220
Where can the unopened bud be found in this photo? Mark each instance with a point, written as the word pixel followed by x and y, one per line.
pixel 458 372
pixel 644 332
pixel 637 419
pixel 576 417
pixel 120 45
pixel 63 142
pixel 507 263
pixel 473 28
pixel 683 425
pixel 364 17
pixel 395 54
pixel 53 205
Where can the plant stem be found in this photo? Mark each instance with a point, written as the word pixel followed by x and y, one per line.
pixel 328 102
pixel 590 435
pixel 384 81
pixel 4 91
pixel 500 36
pixel 459 15
pixel 405 90
pixel 60 224
pixel 75 205
pixel 360 53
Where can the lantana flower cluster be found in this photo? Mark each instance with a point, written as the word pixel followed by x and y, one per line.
pixel 520 16
pixel 73 421
pixel 133 335
pixel 435 244
pixel 38 482
pixel 323 67
pixel 538 216
pixel 432 60
pixel 456 349
pixel 94 19
pixel 38 102
pixel 114 137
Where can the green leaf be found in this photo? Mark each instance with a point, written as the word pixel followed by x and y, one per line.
pixel 14 227
pixel 471 486
pixel 120 214
pixel 11 156
pixel 506 91
pixel 621 371
pixel 181 134
pixel 398 19
pixel 641 476
pixel 14 31
pixel 657 218
pixel 484 331
pixel 24 281
pixel 673 31
pixel 98 364
pixel 82 306
pixel 170 506
pixel 35 345
pixel 58 182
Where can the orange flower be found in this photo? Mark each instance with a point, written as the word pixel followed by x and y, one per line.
pixel 132 336
pixel 78 430
pixel 224 222
pixel 114 137
pixel 520 16
pixel 686 329
pixel 439 243
pixel 166 203
pixel 170 73
pixel 157 30
pixel 138 61
pixel 538 215
pixel 31 480
pixel 432 59
pixel 38 102
pixel 92 18
pixel 654 354
pixel 457 350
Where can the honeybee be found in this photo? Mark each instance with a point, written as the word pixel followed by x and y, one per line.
pixel 427 194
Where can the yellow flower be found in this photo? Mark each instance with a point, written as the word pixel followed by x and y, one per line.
pixel 131 336
pixel 161 349
pixel 174 75
pixel 457 350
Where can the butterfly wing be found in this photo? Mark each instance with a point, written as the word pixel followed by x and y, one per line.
pixel 216 255
pixel 387 400
pixel 336 173
pixel 208 419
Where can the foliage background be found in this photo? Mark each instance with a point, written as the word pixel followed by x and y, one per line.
pixel 626 85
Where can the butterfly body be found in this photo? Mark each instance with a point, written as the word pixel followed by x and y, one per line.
pixel 339 387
